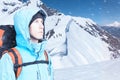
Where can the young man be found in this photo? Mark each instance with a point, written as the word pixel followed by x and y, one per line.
pixel 29 27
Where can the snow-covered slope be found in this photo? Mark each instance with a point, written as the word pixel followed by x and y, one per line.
pixel 74 41
pixel 108 70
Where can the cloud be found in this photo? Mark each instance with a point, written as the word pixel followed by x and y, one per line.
pixel 115 24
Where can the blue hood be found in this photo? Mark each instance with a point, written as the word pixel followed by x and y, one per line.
pixel 22 19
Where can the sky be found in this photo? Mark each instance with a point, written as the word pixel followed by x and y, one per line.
pixel 101 11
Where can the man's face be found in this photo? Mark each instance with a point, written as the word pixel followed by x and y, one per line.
pixel 37 29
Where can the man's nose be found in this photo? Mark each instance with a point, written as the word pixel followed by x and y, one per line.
pixel 41 26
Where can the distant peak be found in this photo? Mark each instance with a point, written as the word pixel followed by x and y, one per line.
pixel 115 24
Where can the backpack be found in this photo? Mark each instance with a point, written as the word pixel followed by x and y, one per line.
pixel 7 38
pixel 7 45
pixel 17 60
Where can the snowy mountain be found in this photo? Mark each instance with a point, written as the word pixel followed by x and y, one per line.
pixel 77 41
pixel 115 31
pixel 114 24
pixel 72 41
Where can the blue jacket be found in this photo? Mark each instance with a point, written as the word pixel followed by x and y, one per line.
pixel 28 50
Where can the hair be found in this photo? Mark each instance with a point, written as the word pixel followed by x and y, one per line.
pixel 39 14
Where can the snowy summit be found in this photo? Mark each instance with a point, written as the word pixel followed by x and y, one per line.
pixel 114 24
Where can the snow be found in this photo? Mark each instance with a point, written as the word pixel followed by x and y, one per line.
pixel 82 21
pixel 6 17
pixel 114 24
pixel 76 46
pixel 108 70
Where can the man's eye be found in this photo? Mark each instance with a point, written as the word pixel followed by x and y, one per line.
pixel 42 22
pixel 36 20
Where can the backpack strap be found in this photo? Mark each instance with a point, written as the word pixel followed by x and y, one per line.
pixel 36 62
pixel 16 58
pixel 17 61
pixel 1 35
